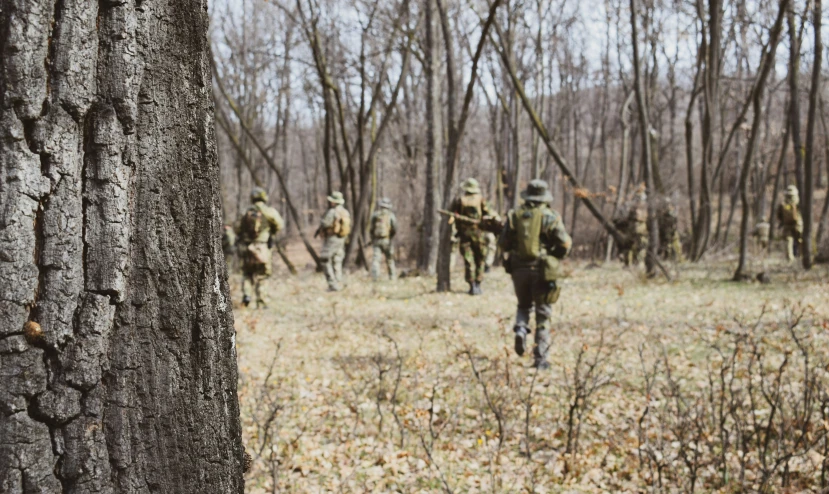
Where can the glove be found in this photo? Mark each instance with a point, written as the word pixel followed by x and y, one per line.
pixel 270 242
pixel 551 286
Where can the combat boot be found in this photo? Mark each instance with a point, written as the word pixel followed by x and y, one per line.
pixel 471 288
pixel 541 364
pixel 478 289
pixel 246 300
pixel 520 340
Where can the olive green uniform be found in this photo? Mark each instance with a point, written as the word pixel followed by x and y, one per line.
pixel 790 219
pixel 534 278
pixel 383 229
pixel 255 250
pixel 472 240
pixel 335 226
pixel 670 246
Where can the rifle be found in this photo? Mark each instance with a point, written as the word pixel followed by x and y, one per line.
pixel 459 217
pixel 488 223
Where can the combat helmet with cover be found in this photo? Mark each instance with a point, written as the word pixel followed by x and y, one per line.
pixel 258 194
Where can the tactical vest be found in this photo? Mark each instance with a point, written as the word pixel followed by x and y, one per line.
pixel 527 226
pixel 251 225
pixel 381 225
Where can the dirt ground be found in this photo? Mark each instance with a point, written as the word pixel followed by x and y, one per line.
pixel 392 387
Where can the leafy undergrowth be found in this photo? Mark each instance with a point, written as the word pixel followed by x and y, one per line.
pixel 697 385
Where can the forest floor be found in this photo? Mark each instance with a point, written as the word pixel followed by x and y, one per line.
pixel 392 387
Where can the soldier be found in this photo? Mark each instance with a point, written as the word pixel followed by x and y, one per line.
pixel 788 214
pixel 229 246
pixel 638 225
pixel 383 228
pixel 335 227
pixel 472 205
pixel 761 233
pixel 491 250
pixel 257 231
pixel 670 246
pixel 535 241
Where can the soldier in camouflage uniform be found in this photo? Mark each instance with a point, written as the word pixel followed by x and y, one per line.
pixel 638 229
pixel 256 233
pixel 534 239
pixel 335 227
pixel 229 246
pixel 788 214
pixel 383 227
pixel 472 238
pixel 491 250
pixel 670 246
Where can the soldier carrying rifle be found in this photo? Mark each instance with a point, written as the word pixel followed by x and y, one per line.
pixel 473 216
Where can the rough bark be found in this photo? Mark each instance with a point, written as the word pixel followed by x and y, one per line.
pixel 811 124
pixel 428 256
pixel 117 352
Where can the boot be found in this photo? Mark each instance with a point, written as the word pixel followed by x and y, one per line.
pixel 471 288
pixel 246 300
pixel 478 290
pixel 520 340
pixel 541 364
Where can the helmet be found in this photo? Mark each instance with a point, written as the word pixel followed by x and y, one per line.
pixel 471 186
pixel 336 197
pixel 384 203
pixel 258 194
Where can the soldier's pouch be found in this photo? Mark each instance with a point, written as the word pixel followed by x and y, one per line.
pixel 550 266
pixel 553 294
pixel 259 253
pixel 507 261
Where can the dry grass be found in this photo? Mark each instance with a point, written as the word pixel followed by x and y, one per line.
pixel 391 387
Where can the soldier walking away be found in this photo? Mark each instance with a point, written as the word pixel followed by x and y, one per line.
pixel 257 232
pixel 638 223
pixel 335 227
pixel 534 239
pixel 788 214
pixel 470 205
pixel 491 250
pixel 229 247
pixel 383 229
pixel 670 246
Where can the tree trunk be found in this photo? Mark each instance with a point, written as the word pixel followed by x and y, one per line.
pixel 117 352
pixel 653 224
pixel 428 256
pixel 794 98
pixel 811 124
pixel 766 64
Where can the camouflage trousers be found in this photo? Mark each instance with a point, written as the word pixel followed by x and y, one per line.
pixel 332 255
pixel 383 247
pixel 491 249
pixel 533 292
pixel 254 272
pixel 793 241
pixel 473 250
pixel 638 251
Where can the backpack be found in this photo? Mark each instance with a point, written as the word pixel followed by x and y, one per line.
pixel 527 226
pixel 472 206
pixel 342 224
pixel 789 216
pixel 381 225
pixel 251 224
